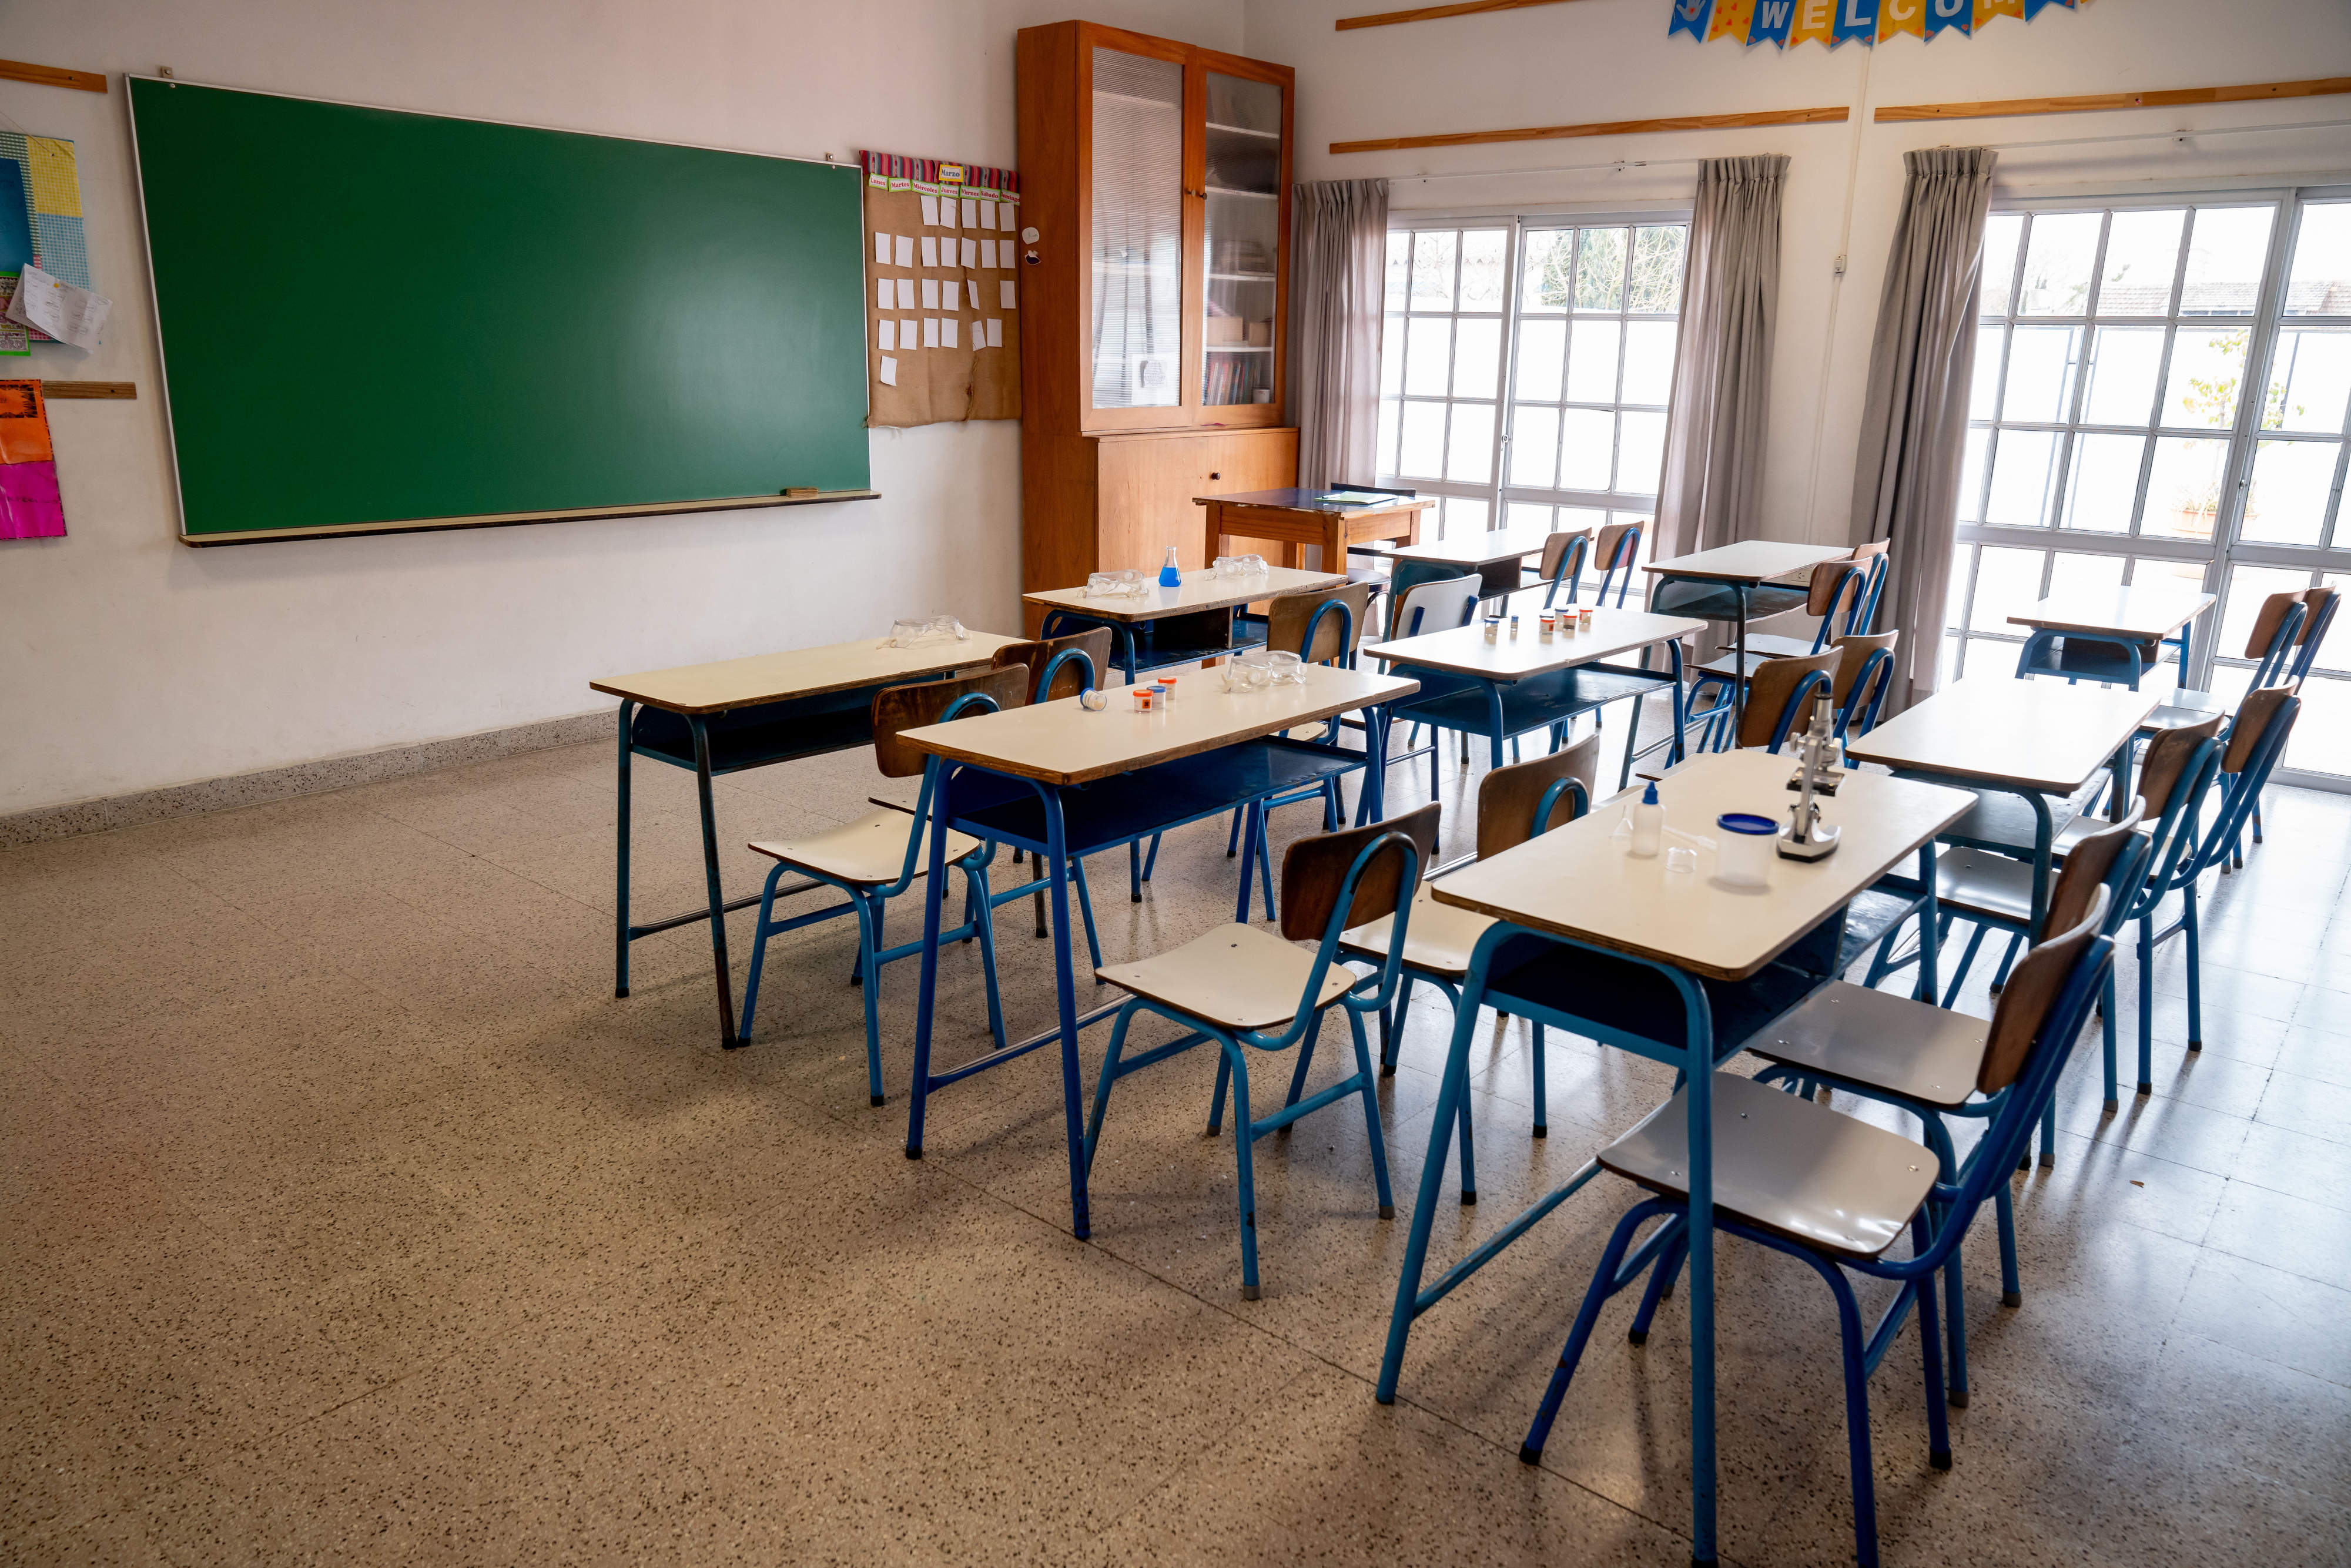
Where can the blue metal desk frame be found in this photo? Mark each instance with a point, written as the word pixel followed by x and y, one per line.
pixel 1546 700
pixel 966 790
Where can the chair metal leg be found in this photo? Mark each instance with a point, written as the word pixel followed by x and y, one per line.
pixel 986 916
pixel 1661 1285
pixel 1244 1163
pixel 1371 1099
pixel 1217 1100
pixel 1939 1421
pixel 1612 1263
pixel 2195 973
pixel 1542 1094
pixel 869 948
pixel 1305 1061
pixel 1086 910
pixel 1392 1025
pixel 2107 1022
pixel 1101 1085
pixel 2147 1002
pixel 1856 1417
pixel 1134 871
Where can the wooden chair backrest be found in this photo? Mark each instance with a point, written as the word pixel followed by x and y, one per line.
pixel 1857 650
pixel 2033 990
pixel 2164 766
pixel 2087 864
pixel 1285 621
pixel 2317 599
pixel 1875 547
pixel 901 708
pixel 1767 691
pixel 1555 549
pixel 2255 715
pixel 1069 679
pixel 1610 539
pixel 1507 797
pixel 2274 610
pixel 1314 873
pixel 1827 586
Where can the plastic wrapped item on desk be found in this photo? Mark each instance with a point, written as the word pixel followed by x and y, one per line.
pixel 1260 668
pixel 1126 584
pixel 922 630
pixel 1242 566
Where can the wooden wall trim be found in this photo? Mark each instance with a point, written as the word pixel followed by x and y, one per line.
pixel 1829 116
pixel 53 76
pixel 1432 12
pixel 55 390
pixel 2318 87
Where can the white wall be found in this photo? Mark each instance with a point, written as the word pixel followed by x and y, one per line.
pixel 129 660
pixel 1604 61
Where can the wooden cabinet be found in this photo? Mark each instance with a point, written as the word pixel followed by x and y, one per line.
pixel 1153 300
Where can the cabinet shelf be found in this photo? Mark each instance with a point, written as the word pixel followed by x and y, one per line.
pixel 1243 276
pixel 1274 136
pixel 1239 348
pixel 1251 195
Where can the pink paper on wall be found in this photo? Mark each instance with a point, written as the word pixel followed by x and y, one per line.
pixel 29 507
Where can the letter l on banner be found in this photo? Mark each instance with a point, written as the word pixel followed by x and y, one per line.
pixel 1857 19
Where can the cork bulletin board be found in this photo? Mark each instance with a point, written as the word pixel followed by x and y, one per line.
pixel 943 248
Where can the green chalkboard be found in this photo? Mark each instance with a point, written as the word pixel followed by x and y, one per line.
pixel 378 320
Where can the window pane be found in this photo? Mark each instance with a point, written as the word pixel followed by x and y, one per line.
pixel 1399 269
pixel 1955 599
pixel 1391 358
pixel 2021 469
pixel 1422 450
pixel 1600 269
pixel 2040 373
pixel 1482 255
pixel 2124 364
pixel 1534 445
pixel 1527 514
pixel 1587 448
pixel 1387 458
pixel 2007 581
pixel 2320 283
pixel 2142 255
pixel 1640 452
pixel 1543 345
pixel 1649 360
pixel 2001 231
pixel 2183 488
pixel 2072 572
pixel 2321 740
pixel 1470 456
pixel 2310 380
pixel 2057 261
pixel 1428 368
pixel 2287 505
pixel 2104 485
pixel 1592 361
pixel 1432 269
pixel 1972 475
pixel 1477 356
pixel 1984 390
pixel 1573 518
pixel 1463 516
pixel 1656 282
pixel 2225 252
pixel 2205 368
pixel 1551 271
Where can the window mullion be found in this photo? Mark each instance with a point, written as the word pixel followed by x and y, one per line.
pixel 2253 397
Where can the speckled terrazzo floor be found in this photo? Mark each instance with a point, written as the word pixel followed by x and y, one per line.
pixel 344 1215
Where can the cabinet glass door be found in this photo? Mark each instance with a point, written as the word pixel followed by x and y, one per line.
pixel 1138 191
pixel 1243 239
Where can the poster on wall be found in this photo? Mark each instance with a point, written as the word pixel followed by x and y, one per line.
pixel 943 338
pixel 1830 23
pixel 43 172
pixel 30 504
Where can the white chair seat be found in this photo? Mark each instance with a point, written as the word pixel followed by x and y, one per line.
pixel 1439 940
pixel 2186 708
pixel 871 849
pixel 1239 977
pixel 1885 1041
pixel 1787 1165
pixel 1977 882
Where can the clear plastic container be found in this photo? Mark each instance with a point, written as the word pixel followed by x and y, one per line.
pixel 1747 845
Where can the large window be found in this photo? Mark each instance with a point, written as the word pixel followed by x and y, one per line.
pixel 1526 366
pixel 2111 438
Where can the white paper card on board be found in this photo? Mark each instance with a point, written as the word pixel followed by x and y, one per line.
pixel 881 250
pixel 947 333
pixel 930 211
pixel 887 337
pixel 947 212
pixel 889 372
pixel 969 252
pixel 930 294
pixel 930 251
pixel 905 251
pixel 1008 296
pixel 885 291
pixel 970 213
pixel 987 215
pixel 996 332
pixel 905 294
pixel 930 331
pixel 907 336
pixel 68 313
pixel 1004 254
pixel 973 284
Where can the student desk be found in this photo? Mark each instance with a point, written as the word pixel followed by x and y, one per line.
pixel 738 714
pixel 1514 685
pixel 2031 740
pixel 1292 518
pixel 1169 626
pixel 1057 780
pixel 1729 584
pixel 2142 614
pixel 1666 965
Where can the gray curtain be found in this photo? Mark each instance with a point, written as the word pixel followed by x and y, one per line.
pixel 1712 487
pixel 1914 427
pixel 1338 263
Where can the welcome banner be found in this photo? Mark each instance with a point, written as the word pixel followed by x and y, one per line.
pixel 1834 22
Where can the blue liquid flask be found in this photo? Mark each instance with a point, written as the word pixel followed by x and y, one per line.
pixel 1170 575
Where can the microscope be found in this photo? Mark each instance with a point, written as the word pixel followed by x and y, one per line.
pixel 1806 837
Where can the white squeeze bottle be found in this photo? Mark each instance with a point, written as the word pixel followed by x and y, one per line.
pixel 1648 824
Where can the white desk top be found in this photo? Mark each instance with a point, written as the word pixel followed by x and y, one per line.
pixel 2125 611
pixel 1201 590
pixel 803 673
pixel 2040 734
pixel 1749 560
pixel 1471 548
pixel 1464 651
pixel 1061 743
pixel 1577 880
